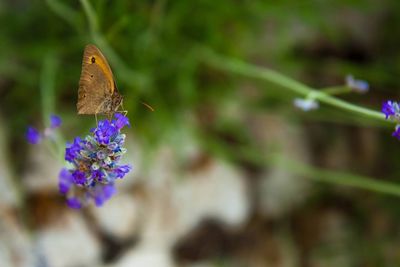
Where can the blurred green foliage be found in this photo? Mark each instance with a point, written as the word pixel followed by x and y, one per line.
pixel 153 49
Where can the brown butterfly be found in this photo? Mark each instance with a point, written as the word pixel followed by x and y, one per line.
pixel 97 93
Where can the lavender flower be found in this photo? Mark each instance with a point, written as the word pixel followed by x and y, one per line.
pixel 359 86
pixel 305 104
pixel 55 121
pixel 391 110
pixel 396 133
pixel 34 136
pixel 95 164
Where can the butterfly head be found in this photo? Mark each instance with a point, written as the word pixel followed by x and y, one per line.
pixel 116 101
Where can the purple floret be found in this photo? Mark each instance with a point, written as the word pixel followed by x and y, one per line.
pixel 121 121
pixel 72 150
pixel 120 171
pixel 74 203
pixel 33 136
pixel 55 121
pixel 65 181
pixel 389 108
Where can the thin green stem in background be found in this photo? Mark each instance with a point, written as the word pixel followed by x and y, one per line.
pixel 131 77
pixel 317 174
pixel 278 159
pixel 337 90
pixel 324 175
pixel 338 177
pixel 251 71
pixel 47 84
pixel 47 94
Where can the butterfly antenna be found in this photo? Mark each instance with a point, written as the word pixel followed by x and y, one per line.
pixel 148 106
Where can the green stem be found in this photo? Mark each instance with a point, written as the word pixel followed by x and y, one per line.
pixel 336 90
pixel 339 178
pixel 245 69
pixel 91 16
pixel 277 159
pixel 47 84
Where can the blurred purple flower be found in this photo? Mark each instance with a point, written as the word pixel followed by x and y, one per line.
pixel 305 104
pixel 55 121
pixel 105 131
pixel 33 136
pixel 359 86
pixel 121 121
pixel 74 203
pixel 391 109
pixel 95 164
pixel 396 133
pixel 72 150
pixel 65 181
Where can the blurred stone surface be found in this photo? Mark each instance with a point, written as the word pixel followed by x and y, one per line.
pixel 146 256
pixel 8 192
pixel 279 189
pixel 119 217
pixel 15 246
pixel 217 191
pixel 42 170
pixel 181 190
pixel 178 201
pixel 68 242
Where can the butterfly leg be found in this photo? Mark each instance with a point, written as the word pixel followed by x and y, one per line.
pixel 123 111
pixel 95 115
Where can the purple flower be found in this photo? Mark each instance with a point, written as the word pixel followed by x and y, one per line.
pixel 305 104
pixel 121 121
pixel 74 203
pixel 120 171
pixel 55 121
pixel 396 133
pixel 359 86
pixel 72 150
pixel 33 136
pixel 65 181
pixel 105 131
pixel 390 109
pixel 95 164
pixel 79 177
pixel 103 193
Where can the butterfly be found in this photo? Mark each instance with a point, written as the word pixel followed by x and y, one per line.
pixel 97 93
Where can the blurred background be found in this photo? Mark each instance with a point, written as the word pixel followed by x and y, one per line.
pixel 227 172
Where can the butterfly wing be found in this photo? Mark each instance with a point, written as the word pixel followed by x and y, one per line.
pixel 96 85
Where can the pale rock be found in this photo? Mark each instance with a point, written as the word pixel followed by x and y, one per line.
pixel 119 216
pixel 43 169
pixel 69 242
pixel 176 206
pixel 218 192
pixel 15 244
pixel 281 190
pixel 146 256
pixel 175 200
